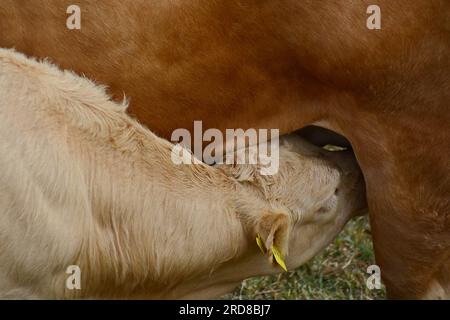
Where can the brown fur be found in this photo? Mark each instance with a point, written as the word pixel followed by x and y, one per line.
pixel 286 64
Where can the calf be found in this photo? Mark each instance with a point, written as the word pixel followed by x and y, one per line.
pixel 286 64
pixel 82 183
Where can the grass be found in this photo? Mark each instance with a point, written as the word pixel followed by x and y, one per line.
pixel 337 273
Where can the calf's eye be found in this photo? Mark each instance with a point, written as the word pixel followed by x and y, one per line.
pixel 329 205
pixel 323 210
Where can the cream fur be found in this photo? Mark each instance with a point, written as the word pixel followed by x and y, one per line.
pixel 82 183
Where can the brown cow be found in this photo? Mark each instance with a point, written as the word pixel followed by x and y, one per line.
pixel 286 64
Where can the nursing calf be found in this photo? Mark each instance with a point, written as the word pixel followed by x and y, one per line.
pixel 82 183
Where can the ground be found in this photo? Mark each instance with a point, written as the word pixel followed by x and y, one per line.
pixel 338 273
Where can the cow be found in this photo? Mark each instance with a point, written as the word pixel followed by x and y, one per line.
pixel 84 187
pixel 286 64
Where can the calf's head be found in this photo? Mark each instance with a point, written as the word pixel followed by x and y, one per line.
pixel 313 194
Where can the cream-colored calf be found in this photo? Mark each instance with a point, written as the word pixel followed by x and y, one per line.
pixel 81 183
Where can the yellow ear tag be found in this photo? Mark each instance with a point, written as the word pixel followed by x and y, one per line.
pixel 279 258
pixel 260 244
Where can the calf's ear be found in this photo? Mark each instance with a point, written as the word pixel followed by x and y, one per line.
pixel 272 236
